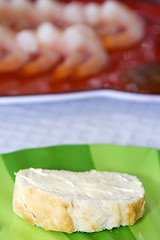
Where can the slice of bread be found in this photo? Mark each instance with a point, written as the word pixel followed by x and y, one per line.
pixel 78 201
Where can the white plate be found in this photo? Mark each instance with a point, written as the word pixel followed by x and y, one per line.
pixel 81 95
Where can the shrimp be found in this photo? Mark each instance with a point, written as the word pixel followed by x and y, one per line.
pixel 74 45
pixel 84 56
pixel 11 57
pixel 41 43
pixel 127 27
pixel 75 39
pixel 116 24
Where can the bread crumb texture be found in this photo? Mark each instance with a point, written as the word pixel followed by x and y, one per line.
pixel 66 213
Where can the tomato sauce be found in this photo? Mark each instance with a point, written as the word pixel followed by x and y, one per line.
pixel 119 73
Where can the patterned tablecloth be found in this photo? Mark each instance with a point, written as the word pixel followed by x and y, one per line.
pixel 85 121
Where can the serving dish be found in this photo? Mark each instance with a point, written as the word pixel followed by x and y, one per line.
pixel 16 87
pixel 142 162
pixel 111 94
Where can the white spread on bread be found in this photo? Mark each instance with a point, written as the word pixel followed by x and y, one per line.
pixel 94 184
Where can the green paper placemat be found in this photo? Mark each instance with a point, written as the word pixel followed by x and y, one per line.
pixel 142 162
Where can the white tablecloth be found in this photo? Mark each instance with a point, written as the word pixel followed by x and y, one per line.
pixel 85 121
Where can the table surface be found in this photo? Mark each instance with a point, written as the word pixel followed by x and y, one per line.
pixel 85 121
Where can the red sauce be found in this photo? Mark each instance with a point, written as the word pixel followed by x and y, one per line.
pixel 148 51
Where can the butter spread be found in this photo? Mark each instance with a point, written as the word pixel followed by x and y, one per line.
pixel 92 184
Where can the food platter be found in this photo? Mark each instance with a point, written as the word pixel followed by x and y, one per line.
pixel 116 81
pixel 102 94
pixel 141 162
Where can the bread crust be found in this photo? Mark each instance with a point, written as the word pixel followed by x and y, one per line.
pixel 54 212
pixel 42 209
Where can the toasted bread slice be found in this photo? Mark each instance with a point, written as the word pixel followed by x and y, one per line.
pixel 78 201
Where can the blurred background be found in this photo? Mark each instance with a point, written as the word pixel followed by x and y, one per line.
pixel 93 120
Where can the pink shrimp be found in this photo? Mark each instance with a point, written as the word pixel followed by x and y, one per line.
pixel 39 43
pixel 17 50
pixel 11 57
pixel 117 24
pixel 84 52
pixel 123 27
pixel 74 45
